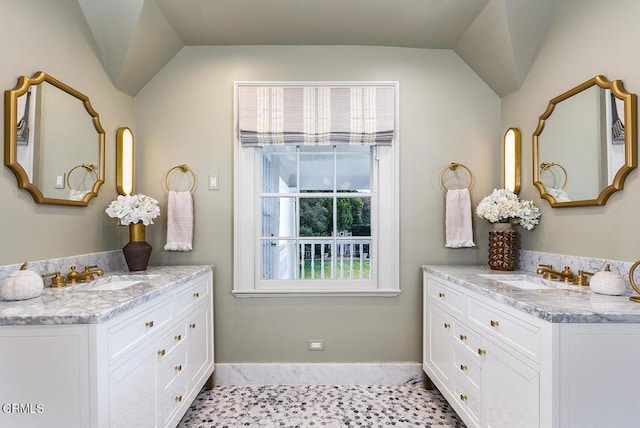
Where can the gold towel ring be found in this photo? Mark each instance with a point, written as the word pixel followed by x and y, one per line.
pixel 452 167
pixel 546 165
pixel 88 166
pixel 184 168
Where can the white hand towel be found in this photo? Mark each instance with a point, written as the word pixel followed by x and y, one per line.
pixel 77 195
pixel 179 221
pixel 459 230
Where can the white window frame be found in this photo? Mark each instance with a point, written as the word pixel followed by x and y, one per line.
pixel 247 216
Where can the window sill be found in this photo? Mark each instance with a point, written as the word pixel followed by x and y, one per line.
pixel 386 292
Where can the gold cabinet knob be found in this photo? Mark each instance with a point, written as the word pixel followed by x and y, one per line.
pixel 177 338
pixel 193 325
pixel 179 398
pixel 441 295
pixel 447 325
pixel 148 324
pixel 162 352
pixel 463 367
pixel 196 295
pixel 482 351
pixel 178 368
pixel 463 337
pixel 494 323
pixel 463 397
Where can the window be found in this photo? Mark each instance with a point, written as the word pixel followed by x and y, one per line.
pixel 315 219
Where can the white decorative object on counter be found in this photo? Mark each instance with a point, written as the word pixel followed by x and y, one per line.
pixel 22 284
pixel 607 282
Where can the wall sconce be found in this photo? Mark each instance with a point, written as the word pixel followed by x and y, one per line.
pixel 512 160
pixel 124 161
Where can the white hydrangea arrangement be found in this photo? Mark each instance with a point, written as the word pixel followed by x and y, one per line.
pixel 504 206
pixel 131 209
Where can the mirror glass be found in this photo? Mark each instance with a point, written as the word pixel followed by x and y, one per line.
pixel 585 144
pixel 54 142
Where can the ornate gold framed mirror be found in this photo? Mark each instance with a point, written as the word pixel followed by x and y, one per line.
pixel 585 144
pixel 53 141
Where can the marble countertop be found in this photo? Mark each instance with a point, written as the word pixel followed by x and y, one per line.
pixel 573 305
pixel 78 304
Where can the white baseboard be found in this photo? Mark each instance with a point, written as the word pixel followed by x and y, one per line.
pixel 318 374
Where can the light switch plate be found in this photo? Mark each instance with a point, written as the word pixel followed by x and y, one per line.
pixel 213 181
pixel 60 180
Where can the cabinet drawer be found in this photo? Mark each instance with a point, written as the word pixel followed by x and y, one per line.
pixel 468 396
pixel 174 368
pixel 196 293
pixel 446 296
pixel 468 340
pixel 173 398
pixel 518 334
pixel 173 338
pixel 467 367
pixel 124 336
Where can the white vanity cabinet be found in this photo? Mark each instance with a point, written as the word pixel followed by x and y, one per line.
pixel 499 366
pixel 472 354
pixel 141 368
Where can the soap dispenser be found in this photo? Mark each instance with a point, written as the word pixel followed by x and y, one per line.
pixel 607 282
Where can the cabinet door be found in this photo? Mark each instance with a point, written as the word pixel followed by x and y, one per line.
pixel 200 352
pixel 438 344
pixel 510 389
pixel 134 391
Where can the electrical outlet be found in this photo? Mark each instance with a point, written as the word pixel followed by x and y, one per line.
pixel 315 345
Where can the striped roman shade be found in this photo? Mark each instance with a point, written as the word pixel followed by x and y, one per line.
pixel 316 114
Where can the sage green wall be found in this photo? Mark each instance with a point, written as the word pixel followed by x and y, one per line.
pixel 53 36
pixel 447 114
pixel 586 38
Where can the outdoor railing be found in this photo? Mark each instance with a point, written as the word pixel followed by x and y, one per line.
pixel 351 259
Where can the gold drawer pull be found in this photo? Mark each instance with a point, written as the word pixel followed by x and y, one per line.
pixel 161 352
pixel 148 324
pixel 482 351
pixel 447 325
pixel 463 397
pixel 463 337
pixel 178 337
pixel 192 325
pixel 463 367
pixel 179 398
pixel 178 368
pixel 196 295
pixel 441 295
pixel 494 323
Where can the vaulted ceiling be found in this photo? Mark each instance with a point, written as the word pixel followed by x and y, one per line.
pixel 498 39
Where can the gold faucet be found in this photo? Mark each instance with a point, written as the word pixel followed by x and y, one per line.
pixel 547 272
pixel 87 274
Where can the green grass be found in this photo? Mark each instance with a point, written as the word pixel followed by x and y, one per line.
pixel 365 265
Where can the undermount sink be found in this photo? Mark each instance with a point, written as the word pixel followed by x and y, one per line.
pixel 527 282
pixel 116 282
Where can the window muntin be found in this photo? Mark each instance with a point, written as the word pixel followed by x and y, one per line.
pixel 331 226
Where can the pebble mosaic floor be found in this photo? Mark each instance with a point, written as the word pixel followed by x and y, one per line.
pixel 320 406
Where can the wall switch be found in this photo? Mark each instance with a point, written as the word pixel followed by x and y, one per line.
pixel 213 181
pixel 315 345
pixel 59 180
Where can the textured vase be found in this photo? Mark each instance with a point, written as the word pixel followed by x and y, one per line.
pixel 503 247
pixel 137 251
